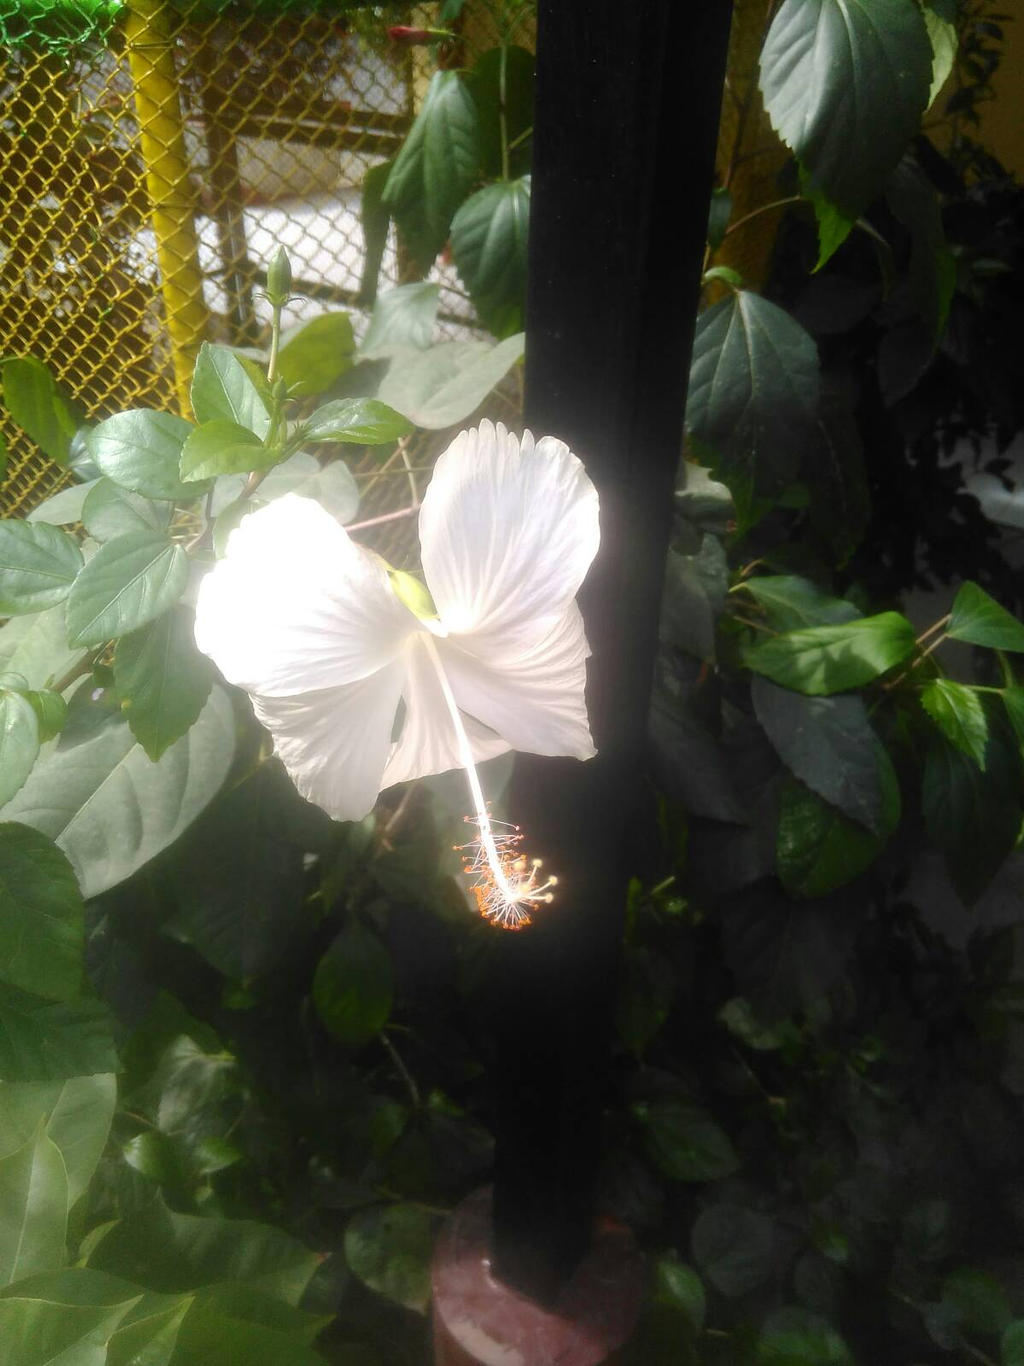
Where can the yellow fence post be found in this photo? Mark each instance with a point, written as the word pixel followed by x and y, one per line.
pixel 151 55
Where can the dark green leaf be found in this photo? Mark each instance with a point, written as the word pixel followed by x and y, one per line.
pixel 845 83
pixel 734 1248
pixel 157 1156
pixel 129 581
pixel 38 565
pixel 162 680
pixel 390 1249
pixel 791 603
pixel 228 1324
pixel 436 166
pixel 932 271
pixel 316 353
pixel 140 450
pixel 403 319
pixel 692 764
pixel 826 659
pixel 19 742
pixel 76 1114
pixel 33 1208
pixel 979 619
pixel 222 389
pixel 221 447
pixel 110 808
pixel 1013 699
pixel 36 404
pixel 41 916
pixel 959 714
pixel 352 987
pixel 678 1284
pixel 360 421
pixel 1012 1344
pixel 511 91
pixel 645 998
pixel 441 387
pixel 111 511
pixel 834 226
pixel 67 1317
pixel 51 712
pixel 818 848
pixel 719 214
pixel 798 1337
pixel 684 1142
pixel 939 20
pixel 375 219
pixel 840 505
pixel 44 1040
pixel 754 387
pixel 829 744
pixel 979 1300
pixel 489 244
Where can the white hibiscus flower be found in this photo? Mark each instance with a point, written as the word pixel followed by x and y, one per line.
pixel 310 625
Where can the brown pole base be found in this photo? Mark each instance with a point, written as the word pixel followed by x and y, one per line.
pixel 479 1321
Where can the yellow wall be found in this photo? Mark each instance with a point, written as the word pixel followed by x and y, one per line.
pixel 1002 129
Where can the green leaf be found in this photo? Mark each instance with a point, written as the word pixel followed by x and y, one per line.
pixel 65 1318
pixel 834 226
pixel 36 647
pixel 828 743
pixel 51 712
pixel 840 504
pixel 677 1284
pixel 403 319
pixel 360 421
pixel 19 742
pixel 973 817
pixel 221 447
pixel 162 680
pixel 443 386
pixel 140 450
pixel 943 38
pixel 110 808
pixel 684 1142
pixel 754 388
pixel 791 602
pixel 129 581
pixel 979 620
pixel 44 1040
pixel 38 565
pixel 1013 700
pixel 489 235
pixel 435 167
pixel 64 507
pixel 798 1337
pixel 958 712
pixel 375 220
pixel 76 1114
pixel 110 511
pixel 36 404
pixel 41 916
pixel 173 1253
pixel 316 353
pixel 332 485
pixel 845 83
pixel 33 1208
pixel 719 214
pixel 390 1248
pixel 645 998
pixel 734 1248
pixel 931 275
pixel 352 986
pixel 818 848
pixel 979 1300
pixel 821 660
pixel 1012 1344
pixel 222 390
pixel 509 91
pixel 159 1157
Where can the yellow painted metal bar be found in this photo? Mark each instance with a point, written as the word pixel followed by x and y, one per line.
pixel 150 44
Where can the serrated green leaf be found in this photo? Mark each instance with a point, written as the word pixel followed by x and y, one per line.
pixel 316 353
pixel 36 404
pixel 19 742
pixel 489 243
pixel 684 1142
pixel 33 1208
pixel 352 986
pixel 129 581
pixel 38 565
pixel 223 390
pixel 44 1040
pixel 140 450
pixel 390 1248
pixel 402 319
pixel 818 848
pixel 754 388
pixel 978 619
pixel 222 447
pixel 41 916
pixel 360 421
pixel 162 680
pixel 110 511
pixel 821 660
pixel 110 808
pixel 958 712
pixel 792 603
pixel 441 387
pixel 845 83
pixel 76 1114
pixel 834 226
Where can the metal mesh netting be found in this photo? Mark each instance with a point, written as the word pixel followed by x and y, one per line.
pixel 147 179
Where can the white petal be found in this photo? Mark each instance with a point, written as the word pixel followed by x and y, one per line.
pixel 533 698
pixel 295 605
pixel 507 530
pixel 334 743
pixel 427 743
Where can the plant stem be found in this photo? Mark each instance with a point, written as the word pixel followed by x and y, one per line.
pixel 403 1071
pixel 764 208
pixel 386 517
pixel 502 119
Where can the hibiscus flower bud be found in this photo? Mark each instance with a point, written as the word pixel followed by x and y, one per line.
pixel 279 279
pixel 405 36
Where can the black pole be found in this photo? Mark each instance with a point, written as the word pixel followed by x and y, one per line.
pixel 625 125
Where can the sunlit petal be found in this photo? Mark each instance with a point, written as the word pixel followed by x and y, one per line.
pixel 533 698
pixel 507 530
pixel 427 743
pixel 295 605
pixel 334 742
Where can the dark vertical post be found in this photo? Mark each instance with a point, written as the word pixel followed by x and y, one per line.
pixel 627 109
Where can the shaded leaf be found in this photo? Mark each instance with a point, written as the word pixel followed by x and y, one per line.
pixel 162 680
pixel 798 1337
pixel 979 620
pixel 678 1284
pixel 375 220
pixel 64 507
pixel 684 1142
pixel 76 1114
pixel 734 1248
pixel 332 485
pixel 38 565
pixel 352 986
pixel 41 915
pixel 129 581
pixel 509 91
pixel 402 319
pixel 818 848
pixel 316 353
pixel 35 403
pixel 443 386
pixel 44 1040
pixel 33 1208
pixel 19 741
pixel 959 714
pixel 979 1300
pixel 390 1248
pixel 489 244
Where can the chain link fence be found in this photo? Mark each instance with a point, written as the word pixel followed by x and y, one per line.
pixel 151 160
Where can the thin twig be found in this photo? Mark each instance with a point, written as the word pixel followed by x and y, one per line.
pixel 403 1071
pixel 386 517
pixel 764 208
